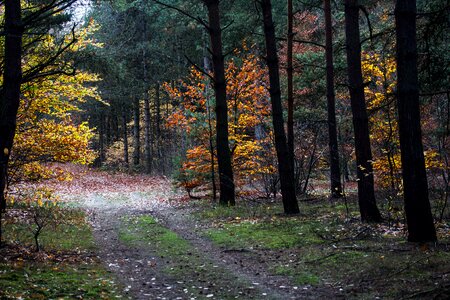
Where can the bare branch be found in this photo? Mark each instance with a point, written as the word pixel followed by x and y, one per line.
pixel 198 68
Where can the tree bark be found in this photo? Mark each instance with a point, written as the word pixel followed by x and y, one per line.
pixel 136 132
pixel 415 186
pixel 335 172
pixel 227 188
pixel 147 134
pixel 366 194
pixel 101 139
pixel 125 139
pixel 10 93
pixel 285 169
pixel 290 85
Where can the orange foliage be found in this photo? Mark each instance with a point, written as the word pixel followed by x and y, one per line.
pixel 249 116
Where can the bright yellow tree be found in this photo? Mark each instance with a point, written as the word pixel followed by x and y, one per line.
pixel 47 130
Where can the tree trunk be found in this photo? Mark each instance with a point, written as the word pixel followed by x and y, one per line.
pixel 366 194
pixel 290 85
pixel 125 139
pixel 108 130
pixel 206 66
pixel 227 189
pixel 284 167
pixel 10 93
pixel 415 186
pixel 158 127
pixel 136 132
pixel 335 172
pixel 158 113
pixel 147 134
pixel 101 138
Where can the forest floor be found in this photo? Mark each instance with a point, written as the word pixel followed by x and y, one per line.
pixel 156 244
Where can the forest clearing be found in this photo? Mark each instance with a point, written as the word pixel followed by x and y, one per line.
pixel 224 149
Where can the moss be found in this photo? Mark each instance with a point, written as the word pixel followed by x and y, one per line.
pixel 299 277
pixel 51 281
pixel 275 234
pixel 70 233
pixel 183 261
pixel 24 279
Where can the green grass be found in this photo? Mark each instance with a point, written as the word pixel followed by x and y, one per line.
pixel 271 234
pixel 63 237
pixel 47 281
pixel 146 230
pixel 326 245
pixel 183 261
pixel 66 273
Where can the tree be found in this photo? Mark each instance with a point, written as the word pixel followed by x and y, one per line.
pixel 290 84
pixel 284 167
pixel 10 91
pixel 366 193
pixel 226 181
pixel 415 186
pixel 335 173
pixel 250 133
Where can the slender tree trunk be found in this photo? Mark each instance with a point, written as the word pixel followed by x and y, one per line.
pixel 227 189
pixel 206 66
pixel 415 186
pixel 147 134
pixel 366 194
pixel 136 132
pixel 158 129
pixel 101 138
pixel 108 130
pixel 158 112
pixel 290 85
pixel 284 167
pixel 10 93
pixel 125 139
pixel 335 172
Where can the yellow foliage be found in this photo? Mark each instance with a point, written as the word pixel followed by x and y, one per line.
pixel 46 129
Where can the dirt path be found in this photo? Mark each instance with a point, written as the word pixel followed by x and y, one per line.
pixel 141 269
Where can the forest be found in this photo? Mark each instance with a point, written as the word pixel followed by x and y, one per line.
pixel 224 149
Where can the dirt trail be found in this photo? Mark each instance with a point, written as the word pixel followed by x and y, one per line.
pixel 141 270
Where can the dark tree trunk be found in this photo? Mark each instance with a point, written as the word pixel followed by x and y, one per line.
pixel 10 93
pixel 147 134
pixel 108 138
pixel 335 172
pixel 415 186
pixel 227 189
pixel 125 139
pixel 284 167
pixel 366 194
pixel 206 66
pixel 158 113
pixel 101 139
pixel 290 85
pixel 136 132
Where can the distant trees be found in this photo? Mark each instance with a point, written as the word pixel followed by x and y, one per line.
pixel 347 91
